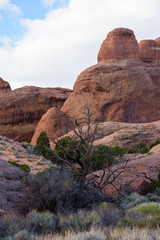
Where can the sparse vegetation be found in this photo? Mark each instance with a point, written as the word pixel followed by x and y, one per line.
pixel 154 144
pixel 57 191
pixel 23 167
pixel 43 146
pixel 137 147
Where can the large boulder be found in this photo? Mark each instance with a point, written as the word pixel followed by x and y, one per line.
pixel 122 92
pixel 21 109
pixel 120 44
pixel 54 122
pixel 133 175
pixel 150 52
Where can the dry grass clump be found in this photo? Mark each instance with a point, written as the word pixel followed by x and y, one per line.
pixel 109 234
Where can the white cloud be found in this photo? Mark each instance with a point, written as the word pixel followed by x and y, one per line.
pixel 48 2
pixel 4 3
pixel 13 10
pixel 55 50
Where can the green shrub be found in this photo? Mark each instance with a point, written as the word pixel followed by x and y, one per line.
pixel 104 156
pixel 23 167
pixel 132 200
pixel 152 208
pixel 80 221
pixel 45 222
pixel 23 235
pixel 154 144
pixel 101 157
pixel 131 219
pixel 118 151
pixel 149 222
pixel 43 146
pixel 137 147
pixel 57 191
pixel 65 148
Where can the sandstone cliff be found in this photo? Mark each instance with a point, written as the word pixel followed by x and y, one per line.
pixel 121 87
pixel 21 109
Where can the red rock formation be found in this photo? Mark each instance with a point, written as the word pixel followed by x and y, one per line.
pixel 120 44
pixel 54 122
pixel 150 52
pixel 123 134
pixel 120 88
pixel 121 92
pixel 4 86
pixel 21 109
pixel 134 174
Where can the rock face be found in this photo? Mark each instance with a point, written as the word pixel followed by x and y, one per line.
pixel 123 92
pixel 4 86
pixel 124 134
pixel 155 149
pixel 133 174
pixel 52 119
pixel 21 109
pixel 22 153
pixel 120 87
pixel 120 44
pixel 14 198
pixel 150 52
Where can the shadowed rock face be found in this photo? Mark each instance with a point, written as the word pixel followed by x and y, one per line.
pixel 120 44
pixel 14 198
pixel 21 109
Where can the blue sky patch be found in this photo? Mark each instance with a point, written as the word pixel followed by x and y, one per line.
pixel 10 26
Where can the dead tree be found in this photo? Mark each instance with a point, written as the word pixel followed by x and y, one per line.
pixel 78 158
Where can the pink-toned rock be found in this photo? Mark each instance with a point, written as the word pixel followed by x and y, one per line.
pixel 124 134
pixel 155 149
pixel 133 174
pixel 150 52
pixel 54 122
pixel 120 44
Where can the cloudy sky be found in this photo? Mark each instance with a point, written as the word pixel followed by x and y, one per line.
pixel 48 43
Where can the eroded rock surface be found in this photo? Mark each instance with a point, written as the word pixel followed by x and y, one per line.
pixel 123 92
pixel 124 134
pixel 150 52
pixel 120 44
pixel 54 122
pixel 134 175
pixel 123 86
pixel 4 86
pixel 21 109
